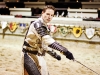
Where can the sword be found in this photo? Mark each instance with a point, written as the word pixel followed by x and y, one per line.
pixel 86 67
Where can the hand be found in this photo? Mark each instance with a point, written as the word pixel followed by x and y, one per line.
pixel 54 54
pixel 69 55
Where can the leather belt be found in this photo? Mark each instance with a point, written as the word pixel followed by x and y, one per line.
pixel 33 52
pixel 28 48
pixel 29 51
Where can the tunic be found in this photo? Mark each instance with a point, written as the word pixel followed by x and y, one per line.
pixel 38 44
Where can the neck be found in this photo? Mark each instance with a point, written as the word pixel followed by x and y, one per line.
pixel 43 21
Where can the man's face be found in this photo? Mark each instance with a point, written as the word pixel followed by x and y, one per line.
pixel 48 15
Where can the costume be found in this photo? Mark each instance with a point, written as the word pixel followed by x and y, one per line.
pixel 33 47
pixel 37 42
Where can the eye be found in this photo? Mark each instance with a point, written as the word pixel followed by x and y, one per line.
pixel 52 15
pixel 48 14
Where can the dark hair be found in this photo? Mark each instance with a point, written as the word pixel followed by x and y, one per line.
pixel 48 7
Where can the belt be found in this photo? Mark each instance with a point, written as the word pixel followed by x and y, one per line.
pixel 33 52
pixel 29 49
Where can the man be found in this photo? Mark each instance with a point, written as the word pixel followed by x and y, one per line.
pixel 38 41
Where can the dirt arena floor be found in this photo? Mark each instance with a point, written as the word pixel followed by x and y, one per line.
pixel 87 53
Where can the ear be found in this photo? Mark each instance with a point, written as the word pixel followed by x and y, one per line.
pixel 42 12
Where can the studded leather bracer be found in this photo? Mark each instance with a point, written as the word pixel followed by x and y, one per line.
pixel 62 49
pixel 58 47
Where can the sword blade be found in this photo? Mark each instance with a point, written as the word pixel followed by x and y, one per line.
pixel 86 66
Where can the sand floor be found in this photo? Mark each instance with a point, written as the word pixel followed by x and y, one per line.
pixel 88 54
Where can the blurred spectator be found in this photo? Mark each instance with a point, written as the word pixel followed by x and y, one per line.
pixel 4 11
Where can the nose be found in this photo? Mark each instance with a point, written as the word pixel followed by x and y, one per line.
pixel 50 16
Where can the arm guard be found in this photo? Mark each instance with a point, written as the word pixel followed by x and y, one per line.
pixel 58 47
pixel 62 49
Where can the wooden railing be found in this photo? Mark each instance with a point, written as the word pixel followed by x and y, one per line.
pixel 61 22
